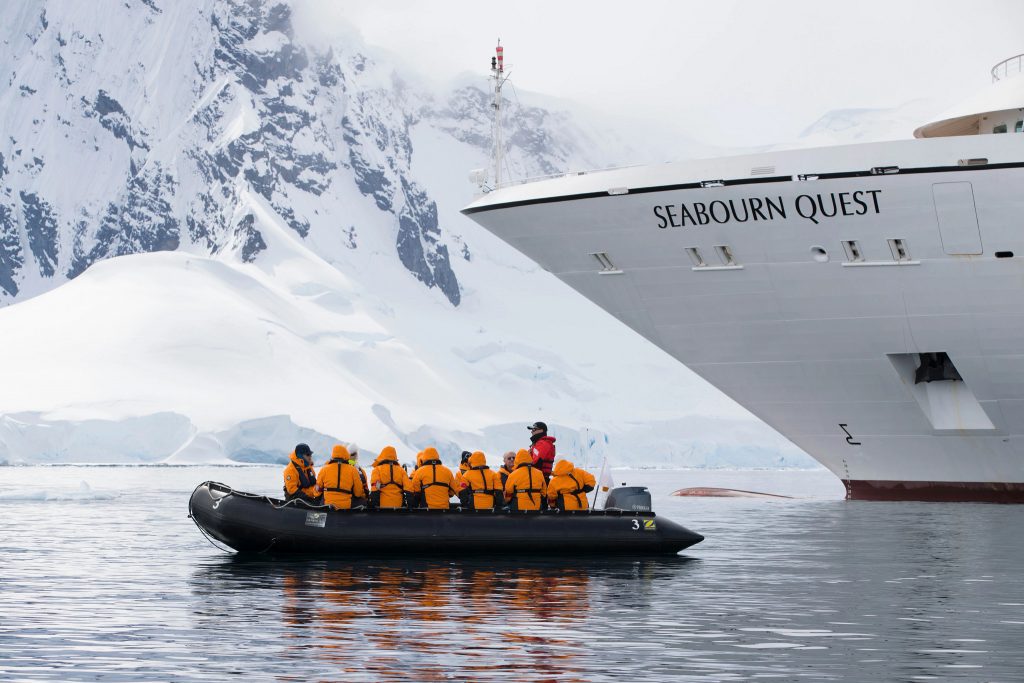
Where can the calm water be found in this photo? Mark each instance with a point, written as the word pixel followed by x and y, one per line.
pixel 113 582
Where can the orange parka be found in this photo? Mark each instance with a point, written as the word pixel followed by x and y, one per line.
pixel 525 487
pixel 569 486
pixel 434 480
pixel 299 478
pixel 389 479
pixel 504 471
pixel 504 474
pixel 339 481
pixel 478 485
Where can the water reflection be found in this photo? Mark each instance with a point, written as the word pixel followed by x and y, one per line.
pixel 416 620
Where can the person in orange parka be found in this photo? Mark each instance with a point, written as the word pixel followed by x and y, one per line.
pixel 415 500
pixel 569 487
pixel 507 465
pixel 434 481
pixel 339 481
pixel 299 475
pixel 479 486
pixel 525 487
pixel 388 481
pixel 353 459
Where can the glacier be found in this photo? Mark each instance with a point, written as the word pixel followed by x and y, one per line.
pixel 220 236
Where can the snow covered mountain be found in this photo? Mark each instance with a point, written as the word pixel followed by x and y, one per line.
pixel 291 263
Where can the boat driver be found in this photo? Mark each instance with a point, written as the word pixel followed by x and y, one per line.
pixel 299 475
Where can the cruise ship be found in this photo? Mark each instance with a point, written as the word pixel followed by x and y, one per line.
pixel 866 301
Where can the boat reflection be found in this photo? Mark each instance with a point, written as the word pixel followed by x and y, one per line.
pixel 424 620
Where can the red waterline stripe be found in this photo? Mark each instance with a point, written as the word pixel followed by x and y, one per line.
pixel 938 491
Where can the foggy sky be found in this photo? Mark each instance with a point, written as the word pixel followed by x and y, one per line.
pixel 729 73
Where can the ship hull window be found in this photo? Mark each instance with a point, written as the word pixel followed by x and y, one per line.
pixel 853 252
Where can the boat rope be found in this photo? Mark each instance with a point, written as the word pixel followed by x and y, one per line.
pixel 267 549
pixel 202 530
pixel 212 542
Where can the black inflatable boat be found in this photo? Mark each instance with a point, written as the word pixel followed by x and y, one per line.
pixel 250 523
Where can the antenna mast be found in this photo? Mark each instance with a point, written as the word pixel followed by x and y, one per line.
pixel 499 78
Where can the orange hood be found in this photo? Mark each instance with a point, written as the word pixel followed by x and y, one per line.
pixel 523 457
pixel 562 468
pixel 477 459
pixel 387 454
pixel 339 452
pixel 430 453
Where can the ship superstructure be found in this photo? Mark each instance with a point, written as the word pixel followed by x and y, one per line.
pixel 866 301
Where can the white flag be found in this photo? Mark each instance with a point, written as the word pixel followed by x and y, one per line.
pixel 606 482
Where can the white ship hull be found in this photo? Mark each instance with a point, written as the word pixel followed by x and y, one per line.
pixel 818 338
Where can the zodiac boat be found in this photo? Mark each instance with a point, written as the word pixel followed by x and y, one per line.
pixel 251 523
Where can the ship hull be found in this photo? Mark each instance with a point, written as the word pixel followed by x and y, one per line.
pixel 811 286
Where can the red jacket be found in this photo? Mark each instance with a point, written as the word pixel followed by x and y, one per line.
pixel 543 453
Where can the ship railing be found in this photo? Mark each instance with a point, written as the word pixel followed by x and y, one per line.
pixel 1008 67
pixel 568 174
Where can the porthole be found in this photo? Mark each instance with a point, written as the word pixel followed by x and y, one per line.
pixel 819 254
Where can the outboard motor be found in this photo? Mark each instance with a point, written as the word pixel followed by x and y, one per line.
pixel 633 498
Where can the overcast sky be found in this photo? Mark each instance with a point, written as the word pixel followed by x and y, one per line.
pixel 728 72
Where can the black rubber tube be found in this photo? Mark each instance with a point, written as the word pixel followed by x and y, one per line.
pixel 257 524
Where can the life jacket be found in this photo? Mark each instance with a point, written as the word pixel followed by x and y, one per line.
pixel 340 481
pixel 479 486
pixel 389 480
pixel 543 453
pixel 434 481
pixel 299 479
pixel 525 487
pixel 569 486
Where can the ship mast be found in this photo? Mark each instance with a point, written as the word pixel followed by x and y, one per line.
pixel 499 78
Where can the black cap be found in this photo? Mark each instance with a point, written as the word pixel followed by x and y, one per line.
pixel 538 425
pixel 303 450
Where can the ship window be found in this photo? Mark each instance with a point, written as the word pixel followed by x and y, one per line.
pixel 899 250
pixel 1019 127
pixel 1004 254
pixel 819 254
pixel 1001 128
pixel 695 257
pixel 853 252
pixel 607 267
pixel 725 255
